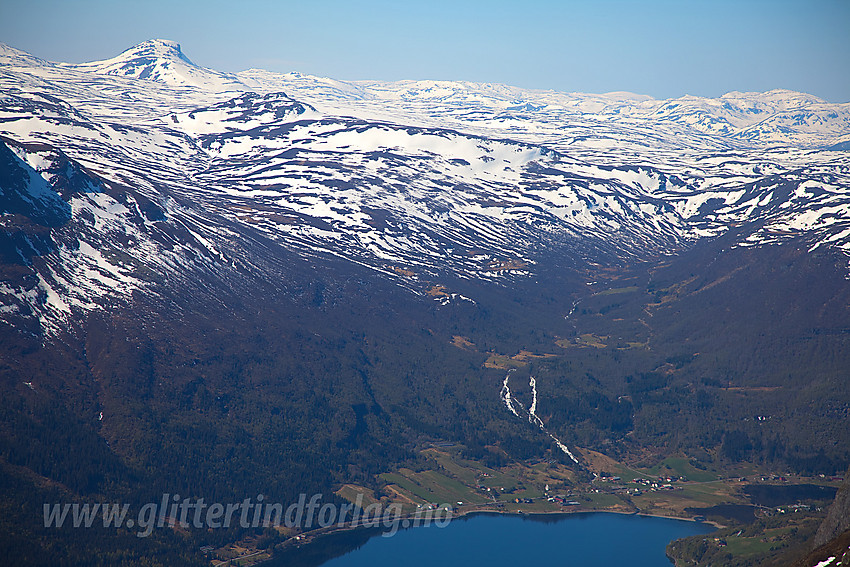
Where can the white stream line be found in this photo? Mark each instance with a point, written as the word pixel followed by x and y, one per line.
pixel 562 447
pixel 573 309
pixel 532 411
pixel 505 396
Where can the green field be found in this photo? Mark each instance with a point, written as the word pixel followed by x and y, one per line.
pixel 678 466
pixel 749 546
pixel 618 290
pixel 600 501
pixel 434 487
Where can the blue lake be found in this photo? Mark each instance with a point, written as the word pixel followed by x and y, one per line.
pixel 493 540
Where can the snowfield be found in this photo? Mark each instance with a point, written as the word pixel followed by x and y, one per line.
pixel 165 166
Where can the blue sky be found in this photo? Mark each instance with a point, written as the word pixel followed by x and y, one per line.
pixel 663 48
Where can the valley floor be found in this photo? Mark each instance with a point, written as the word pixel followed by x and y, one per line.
pixel 750 521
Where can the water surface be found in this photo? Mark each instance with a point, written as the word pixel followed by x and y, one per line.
pixel 495 540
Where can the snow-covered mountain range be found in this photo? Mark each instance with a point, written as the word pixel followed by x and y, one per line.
pixel 125 175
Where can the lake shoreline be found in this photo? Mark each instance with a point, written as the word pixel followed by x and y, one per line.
pixel 576 512
pixel 314 537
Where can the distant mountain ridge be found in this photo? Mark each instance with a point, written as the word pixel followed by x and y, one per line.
pixel 442 178
pixel 777 117
pixel 223 285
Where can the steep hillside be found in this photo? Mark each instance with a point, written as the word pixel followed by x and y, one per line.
pixel 220 285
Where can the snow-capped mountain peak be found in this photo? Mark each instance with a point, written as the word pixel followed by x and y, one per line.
pixel 163 61
pixel 203 171
pixel 156 48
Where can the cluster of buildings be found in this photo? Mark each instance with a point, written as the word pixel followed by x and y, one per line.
pixel 562 500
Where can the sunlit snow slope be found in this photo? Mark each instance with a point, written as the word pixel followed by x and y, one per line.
pixel 135 174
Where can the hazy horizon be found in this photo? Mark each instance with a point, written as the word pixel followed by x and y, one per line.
pixel 660 48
